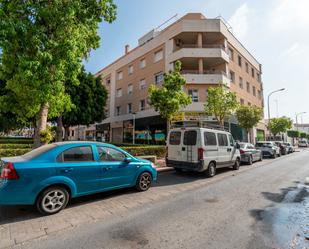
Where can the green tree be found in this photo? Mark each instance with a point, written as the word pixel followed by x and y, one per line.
pixel 278 125
pixel 248 117
pixel 303 135
pixel 89 100
pixel 220 103
pixel 293 134
pixel 43 44
pixel 170 98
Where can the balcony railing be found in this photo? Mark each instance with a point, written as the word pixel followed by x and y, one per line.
pixel 206 71
pixel 203 46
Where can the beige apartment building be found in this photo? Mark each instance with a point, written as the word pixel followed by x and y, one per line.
pixel 210 55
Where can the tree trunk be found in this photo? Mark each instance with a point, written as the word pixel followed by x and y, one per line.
pixel 41 124
pixel 66 133
pixel 59 129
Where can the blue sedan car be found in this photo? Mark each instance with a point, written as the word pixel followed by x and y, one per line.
pixel 52 174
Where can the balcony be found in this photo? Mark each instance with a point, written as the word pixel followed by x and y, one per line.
pixel 207 77
pixel 207 51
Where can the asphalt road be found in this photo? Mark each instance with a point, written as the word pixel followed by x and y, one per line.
pixel 263 207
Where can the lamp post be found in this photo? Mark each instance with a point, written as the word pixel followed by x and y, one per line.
pixel 279 90
pixel 296 115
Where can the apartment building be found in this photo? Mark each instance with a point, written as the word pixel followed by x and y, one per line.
pixel 210 55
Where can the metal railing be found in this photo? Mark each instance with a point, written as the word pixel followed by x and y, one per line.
pixel 206 71
pixel 199 124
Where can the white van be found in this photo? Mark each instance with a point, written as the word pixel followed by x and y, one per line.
pixel 201 149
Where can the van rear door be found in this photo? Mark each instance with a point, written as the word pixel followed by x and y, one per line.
pixel 189 146
pixel 174 146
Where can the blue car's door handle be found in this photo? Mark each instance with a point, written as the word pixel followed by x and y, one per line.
pixel 107 168
pixel 66 170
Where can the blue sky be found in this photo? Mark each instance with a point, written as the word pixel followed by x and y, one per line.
pixel 276 32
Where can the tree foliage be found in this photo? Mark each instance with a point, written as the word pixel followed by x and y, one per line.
pixel 170 98
pixel 248 116
pixel 303 135
pixel 293 134
pixel 220 103
pixel 89 100
pixel 43 44
pixel 278 125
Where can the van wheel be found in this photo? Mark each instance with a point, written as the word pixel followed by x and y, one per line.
pixel 236 164
pixel 211 170
pixel 143 182
pixel 52 200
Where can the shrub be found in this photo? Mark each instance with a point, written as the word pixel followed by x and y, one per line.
pixel 15 146
pixel 13 152
pixel 158 151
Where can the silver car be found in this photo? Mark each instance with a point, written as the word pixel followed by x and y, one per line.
pixel 249 153
pixel 268 148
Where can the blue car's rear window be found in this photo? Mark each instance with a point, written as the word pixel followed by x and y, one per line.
pixel 39 151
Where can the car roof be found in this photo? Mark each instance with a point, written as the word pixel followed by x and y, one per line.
pixel 198 128
pixel 82 143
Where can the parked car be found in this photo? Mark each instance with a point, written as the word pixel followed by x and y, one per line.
pixel 249 153
pixel 201 149
pixel 290 148
pixel 302 143
pixel 282 146
pixel 268 148
pixel 52 174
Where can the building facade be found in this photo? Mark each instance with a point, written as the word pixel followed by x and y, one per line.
pixel 210 55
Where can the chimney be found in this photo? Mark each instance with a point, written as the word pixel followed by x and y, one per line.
pixel 126 49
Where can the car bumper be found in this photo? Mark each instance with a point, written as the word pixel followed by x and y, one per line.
pixel 13 194
pixel 267 153
pixel 199 166
pixel 244 158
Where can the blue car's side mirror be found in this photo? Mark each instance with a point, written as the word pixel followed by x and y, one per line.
pixel 128 160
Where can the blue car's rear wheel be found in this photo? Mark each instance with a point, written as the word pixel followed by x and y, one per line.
pixel 144 181
pixel 52 200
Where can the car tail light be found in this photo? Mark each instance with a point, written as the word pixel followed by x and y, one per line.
pixel 200 153
pixel 241 151
pixel 9 172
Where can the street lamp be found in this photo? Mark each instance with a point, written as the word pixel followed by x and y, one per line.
pixel 279 90
pixel 296 115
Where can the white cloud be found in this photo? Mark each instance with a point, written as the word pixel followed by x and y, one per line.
pixel 290 13
pixel 240 21
pixel 293 50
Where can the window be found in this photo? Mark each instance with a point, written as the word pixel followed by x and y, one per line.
pixel 130 89
pixel 110 155
pixel 248 87
pixel 72 133
pixel 222 139
pixel 232 142
pixel 231 54
pixel 142 105
pixel 247 67
pixel 239 61
pixel 242 102
pixel 175 137
pixel 108 81
pixel 119 92
pixel 258 77
pixel 232 76
pixel 249 104
pixel 142 84
pixel 76 154
pixel 193 93
pixel 118 110
pixel 190 138
pixel 142 63
pixel 130 70
pixel 241 84
pixel 129 108
pixel 252 72
pixel 253 91
pixel 120 75
pixel 259 94
pixel 210 139
pixel 159 78
pixel 158 56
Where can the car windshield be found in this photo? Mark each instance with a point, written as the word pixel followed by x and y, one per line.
pixel 263 144
pixel 242 146
pixel 39 151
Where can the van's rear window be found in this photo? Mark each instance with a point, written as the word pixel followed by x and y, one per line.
pixel 190 138
pixel 175 137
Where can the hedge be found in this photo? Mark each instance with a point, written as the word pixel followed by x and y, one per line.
pixel 15 146
pixel 158 151
pixel 16 141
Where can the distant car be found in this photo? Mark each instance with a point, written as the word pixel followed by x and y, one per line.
pixel 249 153
pixel 302 143
pixel 268 148
pixel 52 174
pixel 282 146
pixel 290 148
